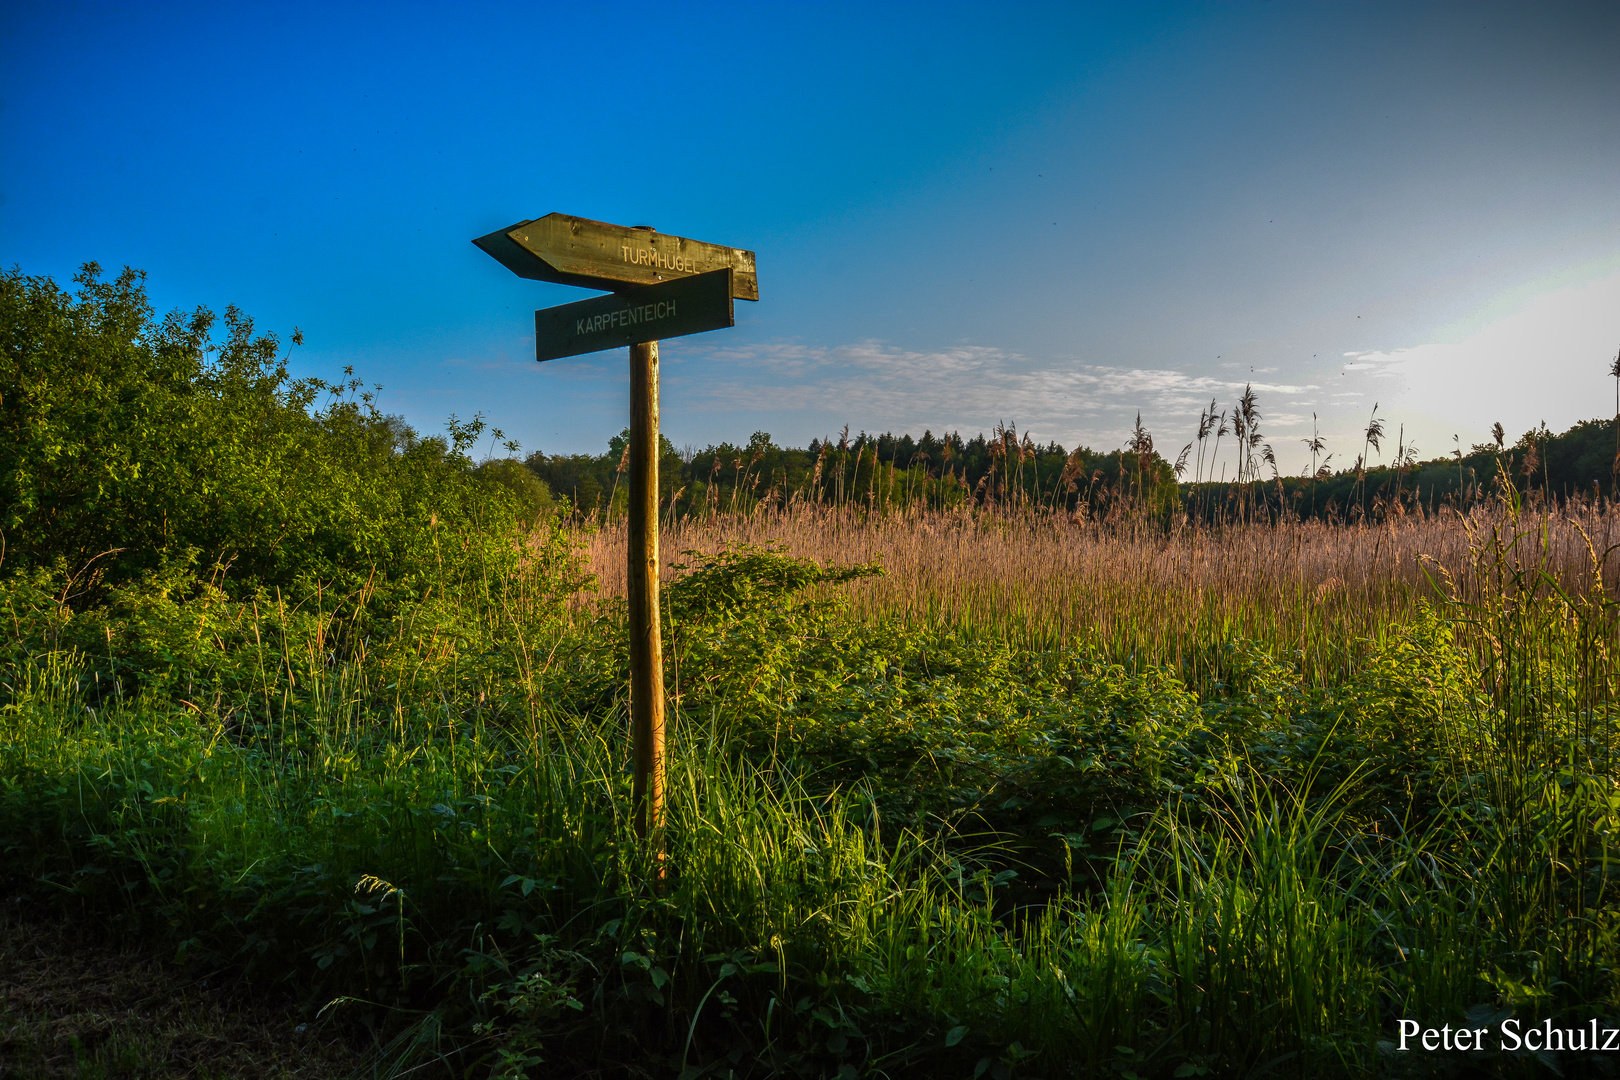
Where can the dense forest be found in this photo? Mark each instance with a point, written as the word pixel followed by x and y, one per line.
pixel 874 471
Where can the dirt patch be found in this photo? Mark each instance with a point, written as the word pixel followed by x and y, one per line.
pixel 73 1005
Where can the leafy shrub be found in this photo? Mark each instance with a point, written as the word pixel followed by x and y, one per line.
pixel 128 445
pixel 530 494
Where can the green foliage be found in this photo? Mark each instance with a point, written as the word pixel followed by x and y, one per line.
pixel 1551 468
pixel 887 849
pixel 594 485
pixel 129 445
pixel 873 472
pixel 887 472
pixel 531 495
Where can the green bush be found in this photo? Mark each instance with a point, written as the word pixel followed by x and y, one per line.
pixel 129 444
pixel 531 495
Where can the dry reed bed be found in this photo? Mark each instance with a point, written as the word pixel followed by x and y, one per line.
pixel 1138 589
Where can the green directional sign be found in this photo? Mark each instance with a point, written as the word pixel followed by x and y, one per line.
pixel 578 251
pixel 687 305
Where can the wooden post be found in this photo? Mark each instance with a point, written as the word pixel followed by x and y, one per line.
pixel 646 647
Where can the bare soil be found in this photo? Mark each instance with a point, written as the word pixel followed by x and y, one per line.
pixel 74 1005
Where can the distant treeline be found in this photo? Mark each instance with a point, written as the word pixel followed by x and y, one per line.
pixel 1008 469
pixel 881 472
pixel 1541 466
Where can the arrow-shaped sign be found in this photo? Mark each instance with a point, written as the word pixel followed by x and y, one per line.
pixel 593 254
pixel 689 305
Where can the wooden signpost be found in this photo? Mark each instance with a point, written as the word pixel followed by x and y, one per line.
pixel 663 287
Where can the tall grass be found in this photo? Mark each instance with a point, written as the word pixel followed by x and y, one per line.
pixel 1146 594
pixel 419 864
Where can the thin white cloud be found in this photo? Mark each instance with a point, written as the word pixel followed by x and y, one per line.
pixel 967 387
pixel 1544 360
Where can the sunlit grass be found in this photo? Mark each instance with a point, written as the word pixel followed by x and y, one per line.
pixel 422 823
pixel 1142 592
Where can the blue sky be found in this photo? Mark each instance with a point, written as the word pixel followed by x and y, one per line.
pixel 1052 215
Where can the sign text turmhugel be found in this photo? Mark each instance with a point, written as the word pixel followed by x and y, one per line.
pixel 658 260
